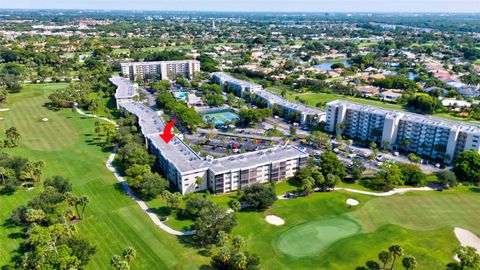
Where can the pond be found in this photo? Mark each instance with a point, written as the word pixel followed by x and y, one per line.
pixel 412 75
pixel 326 66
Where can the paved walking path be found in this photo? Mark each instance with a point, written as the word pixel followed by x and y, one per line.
pixel 141 203
pixel 127 189
pixel 95 116
pixel 388 193
pixel 378 194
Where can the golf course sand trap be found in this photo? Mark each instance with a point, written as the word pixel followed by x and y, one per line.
pixel 4 109
pixel 308 239
pixel 277 221
pixel 467 238
pixel 352 202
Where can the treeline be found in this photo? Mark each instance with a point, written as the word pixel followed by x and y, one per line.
pixel 18 171
pixel 185 115
pixel 135 162
pixel 51 238
pixel 92 79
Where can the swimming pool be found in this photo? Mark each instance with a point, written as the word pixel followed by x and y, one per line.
pixel 181 95
pixel 220 117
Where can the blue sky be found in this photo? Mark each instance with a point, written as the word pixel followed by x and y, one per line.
pixel 257 5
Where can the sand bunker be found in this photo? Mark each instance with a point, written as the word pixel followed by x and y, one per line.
pixel 45 119
pixel 4 109
pixel 274 220
pixel 352 202
pixel 467 238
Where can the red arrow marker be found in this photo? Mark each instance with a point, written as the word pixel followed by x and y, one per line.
pixel 167 132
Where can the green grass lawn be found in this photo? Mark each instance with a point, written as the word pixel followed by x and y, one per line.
pixel 313 98
pixel 320 231
pixel 113 220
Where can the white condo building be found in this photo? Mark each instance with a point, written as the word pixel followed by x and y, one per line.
pixel 308 115
pixel 184 168
pixel 424 135
pixel 167 70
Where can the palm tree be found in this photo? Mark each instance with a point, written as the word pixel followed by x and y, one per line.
pixel 238 243
pixel 129 254
pixel 409 263
pixel 224 255
pixel 240 261
pixel 13 135
pixel 6 173
pixel 385 257
pixel 37 170
pixel 396 251
pixel 223 238
pixel 115 261
pixel 83 201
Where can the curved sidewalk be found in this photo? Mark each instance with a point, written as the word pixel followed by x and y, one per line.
pixel 127 189
pixel 388 193
pixel 141 203
pixel 95 116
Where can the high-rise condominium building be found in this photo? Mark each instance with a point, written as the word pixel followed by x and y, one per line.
pixel 191 173
pixel 424 135
pixel 163 70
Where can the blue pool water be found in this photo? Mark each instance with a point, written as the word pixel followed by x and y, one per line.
pixel 181 95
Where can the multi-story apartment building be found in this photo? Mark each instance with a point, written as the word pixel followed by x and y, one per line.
pixel 237 86
pixel 190 172
pixel 126 91
pixel 307 114
pixel 424 135
pixel 166 70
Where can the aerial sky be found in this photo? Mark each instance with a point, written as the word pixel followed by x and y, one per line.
pixel 256 5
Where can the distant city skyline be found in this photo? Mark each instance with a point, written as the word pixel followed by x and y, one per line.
pixel 257 5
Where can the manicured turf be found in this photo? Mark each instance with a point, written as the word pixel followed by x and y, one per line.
pixel 422 211
pixel 422 222
pixel 315 236
pixel 27 117
pixel 313 98
pixel 113 220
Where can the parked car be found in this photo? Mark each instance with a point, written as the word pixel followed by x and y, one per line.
pixel 396 153
pixel 336 150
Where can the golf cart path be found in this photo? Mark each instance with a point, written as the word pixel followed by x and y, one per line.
pixel 95 116
pixel 388 193
pixel 127 189
pixel 378 194
pixel 141 203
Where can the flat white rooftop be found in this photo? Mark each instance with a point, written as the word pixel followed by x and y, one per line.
pixel 229 78
pixel 125 89
pixel 186 160
pixel 412 117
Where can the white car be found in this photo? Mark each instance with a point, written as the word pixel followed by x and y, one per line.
pixel 437 165
pixel 379 164
pixel 336 150
pixel 396 153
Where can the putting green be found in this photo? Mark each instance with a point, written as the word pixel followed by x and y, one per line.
pixel 310 238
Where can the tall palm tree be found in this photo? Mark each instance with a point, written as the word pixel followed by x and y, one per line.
pixel 129 254
pixel 224 255
pixel 83 201
pixel 396 251
pixel 409 262
pixel 238 243
pixel 240 260
pixel 385 257
pixel 115 261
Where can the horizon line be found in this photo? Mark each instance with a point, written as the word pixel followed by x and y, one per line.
pixel 243 11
